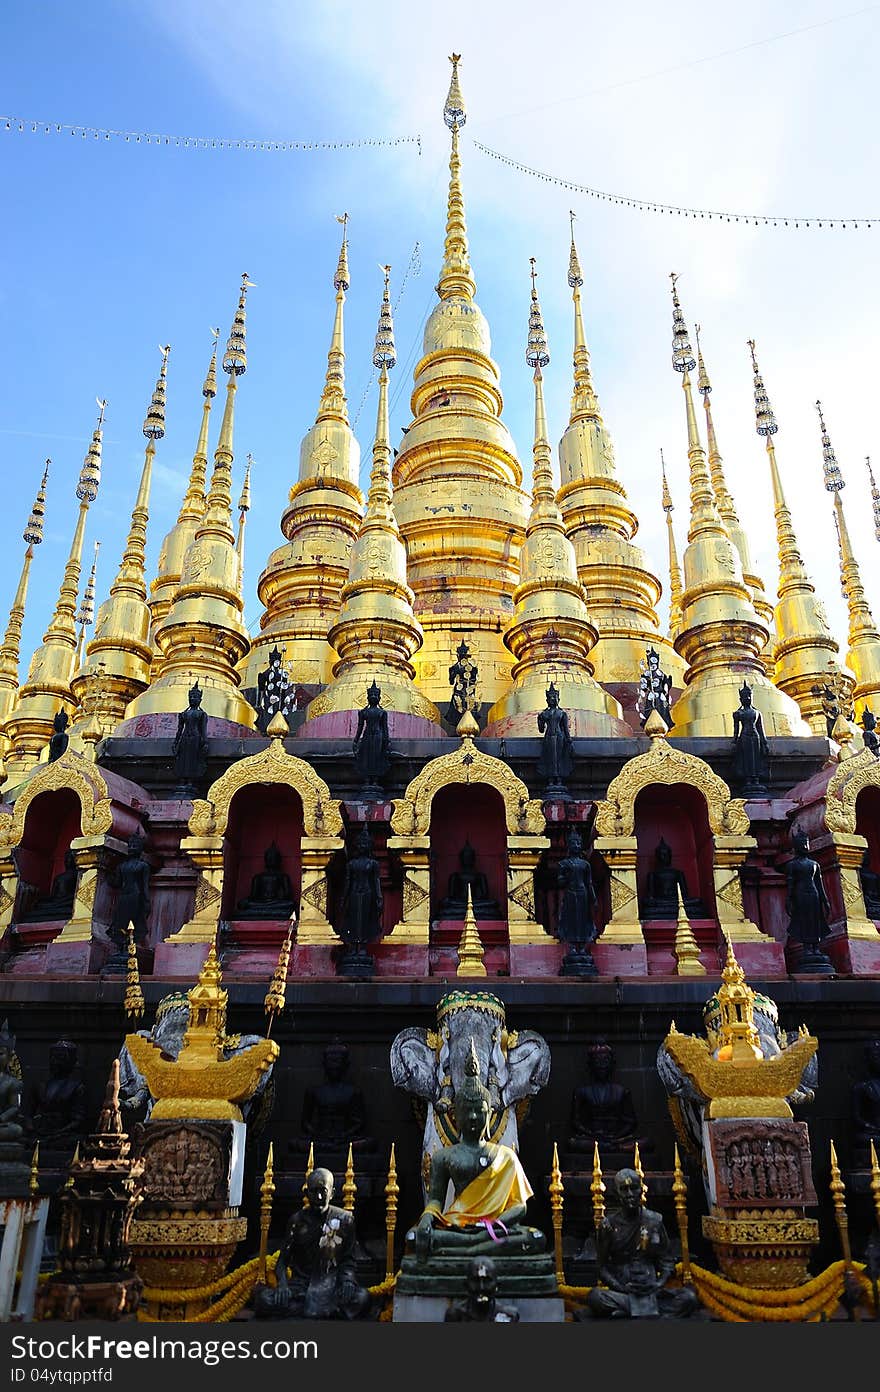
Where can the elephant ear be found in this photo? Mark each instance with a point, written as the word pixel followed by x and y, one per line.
pixel 414 1064
pixel 528 1065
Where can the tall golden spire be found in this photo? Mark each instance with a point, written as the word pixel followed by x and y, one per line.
pixel 303 579
pixel 457 480
pixel 86 613
pixel 864 639
pixel 121 648
pixel 804 642
pixel 674 568
pixel 47 689
pixel 203 637
pixel 726 506
pixel 550 634
pixel 10 651
pixel 244 507
pixel 875 497
pixel 377 632
pixel 623 590
pixel 192 511
pixel 721 635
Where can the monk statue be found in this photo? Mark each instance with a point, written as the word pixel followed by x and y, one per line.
pixel 468 877
pixel 556 761
pixel 870 882
pixel 807 906
pixel 58 1106
pixel 315 1275
pixel 60 738
pixel 635 1260
pixel 489 1186
pixel 132 879
pixel 480 1305
pixel 602 1110
pixel 866 1104
pixel 190 747
pixel 370 746
pixel 58 904
pixel 271 895
pixel 751 752
pixel 333 1111
pixel 664 882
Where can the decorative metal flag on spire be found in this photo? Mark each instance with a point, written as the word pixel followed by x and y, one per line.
pixel 834 480
pixel 875 497
pixel 33 532
pixel 765 420
pixel 385 351
pixel 683 359
pixel 454 109
pixel 537 351
pixel 90 473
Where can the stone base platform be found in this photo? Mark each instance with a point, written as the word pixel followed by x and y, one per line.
pixel 431 1309
pixel 529 1275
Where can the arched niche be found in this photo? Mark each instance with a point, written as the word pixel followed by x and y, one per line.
pixel 258 815
pixel 52 820
pixel 867 810
pixel 677 813
pixel 461 813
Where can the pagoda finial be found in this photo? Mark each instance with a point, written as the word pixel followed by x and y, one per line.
pixel 704 513
pixel 10 651
pixel 584 402
pixel 834 480
pixel 875 496
pixel 537 357
pixel 456 278
pixel 131 577
pixel 33 532
pixel 218 504
pixel 333 405
pixel 675 586
pixel 86 614
pixel 244 507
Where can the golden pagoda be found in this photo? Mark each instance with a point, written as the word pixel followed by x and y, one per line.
pixel 377 633
pixel 10 650
pixel 47 689
pixel 622 590
pixel 804 643
pixel 864 638
pixel 121 647
pixel 301 585
pixel 550 634
pixel 674 567
pixel 727 508
pixel 203 637
pixel 457 480
pixel 192 510
pixel 721 636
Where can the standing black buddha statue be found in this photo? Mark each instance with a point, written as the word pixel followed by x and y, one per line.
pixel 869 731
pixel 132 879
pixel 190 748
pixel 576 924
pixel 371 745
pixel 60 738
pixel 556 761
pixel 751 752
pixel 362 905
pixel 807 906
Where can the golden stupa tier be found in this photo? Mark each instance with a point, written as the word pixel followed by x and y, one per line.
pixel 301 585
pixel 721 636
pixel 204 637
pixel 621 588
pixel 457 481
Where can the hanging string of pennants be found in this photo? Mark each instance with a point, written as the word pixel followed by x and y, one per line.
pixel 201 142
pixel 647 206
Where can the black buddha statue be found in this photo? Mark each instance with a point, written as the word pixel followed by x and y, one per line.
pixel 14 1150
pixel 333 1112
pixel 58 904
pixel 866 1105
pixel 271 896
pixel 480 1305
pixel 655 690
pixel 576 923
pixel 807 906
pixel 468 877
pixel 556 761
pixel 276 693
pixel 870 882
pixel 58 1105
pixel 751 752
pixel 661 891
pixel 190 747
pixel 315 1274
pixel 60 738
pixel 635 1260
pixel 362 906
pixel 370 746
pixel 463 680
pixel 869 731
pixel 132 880
pixel 602 1110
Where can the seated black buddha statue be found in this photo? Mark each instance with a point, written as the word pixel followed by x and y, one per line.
pixel 870 882
pixel 333 1112
pixel 602 1110
pixel 660 899
pixel 468 877
pixel 58 904
pixel 271 895
pixel 58 1105
pixel 866 1105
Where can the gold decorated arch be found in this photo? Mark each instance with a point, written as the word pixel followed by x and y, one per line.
pixel 850 778
pixel 71 772
pixel 665 764
pixel 467 764
pixel 321 812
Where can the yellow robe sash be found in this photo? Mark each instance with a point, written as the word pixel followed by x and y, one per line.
pixel 499 1187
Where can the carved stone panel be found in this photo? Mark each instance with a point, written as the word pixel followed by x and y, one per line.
pixel 755 1163
pixel 186 1163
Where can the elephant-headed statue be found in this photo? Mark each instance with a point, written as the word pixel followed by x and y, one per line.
pixel 430 1065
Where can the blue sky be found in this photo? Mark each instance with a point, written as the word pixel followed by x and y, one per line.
pixel 111 249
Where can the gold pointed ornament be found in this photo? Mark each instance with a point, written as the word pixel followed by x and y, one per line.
pixel 556 1191
pixel 267 1194
pixel 134 1003
pixel 687 951
pixel 470 947
pixel 276 996
pixel 597 1188
pixel 392 1191
pixel 349 1185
